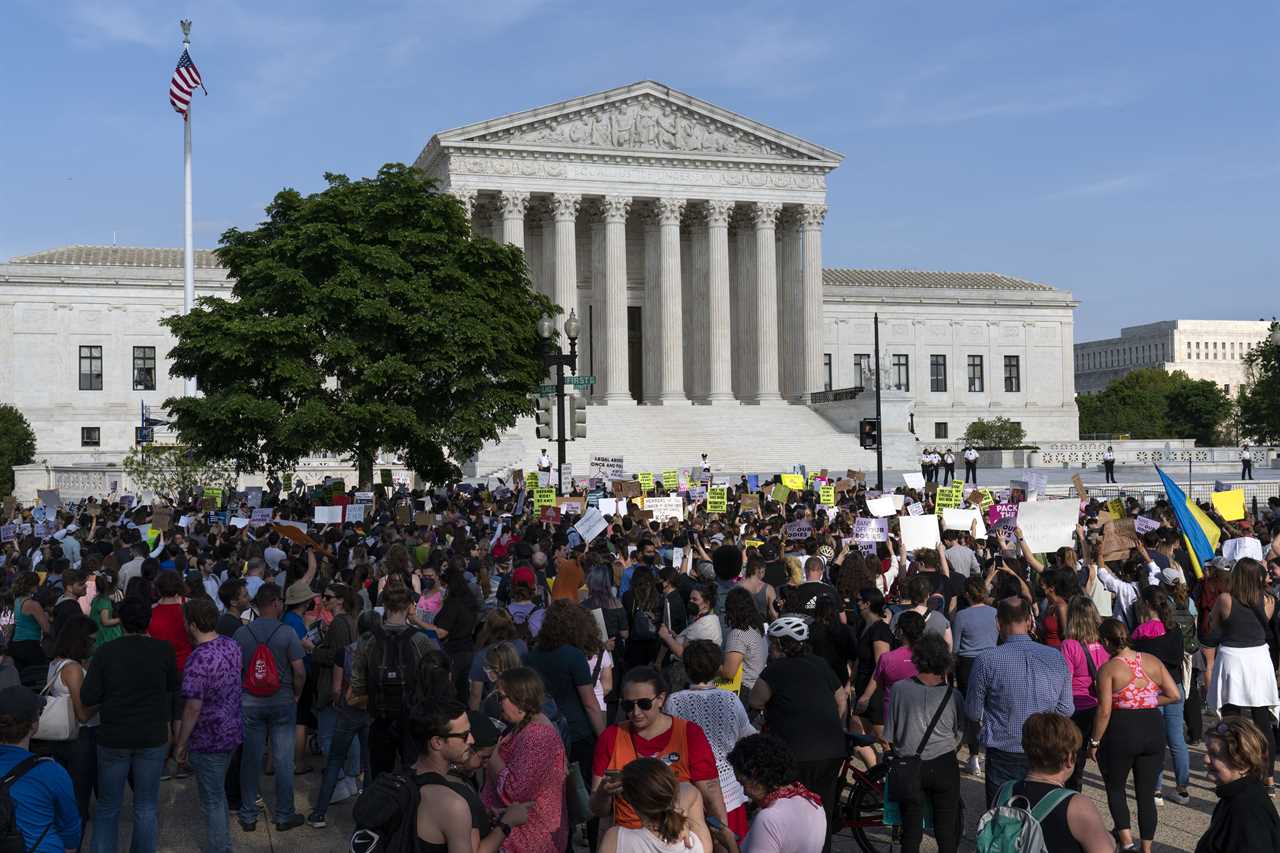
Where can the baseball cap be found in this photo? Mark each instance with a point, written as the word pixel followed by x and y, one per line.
pixel 483 731
pixel 523 575
pixel 1172 576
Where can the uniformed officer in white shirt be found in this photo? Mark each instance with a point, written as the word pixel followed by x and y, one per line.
pixel 706 466
pixel 544 461
pixel 970 464
pixel 1109 464
pixel 949 464
pixel 1246 463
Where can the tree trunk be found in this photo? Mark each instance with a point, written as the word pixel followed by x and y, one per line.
pixel 364 470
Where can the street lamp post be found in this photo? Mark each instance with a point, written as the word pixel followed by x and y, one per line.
pixel 554 358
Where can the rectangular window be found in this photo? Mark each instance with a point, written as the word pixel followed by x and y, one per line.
pixel 144 368
pixel 861 369
pixel 902 371
pixel 940 429
pixel 90 368
pixel 1012 374
pixel 826 370
pixel 1226 389
pixel 90 436
pixel 937 373
pixel 975 374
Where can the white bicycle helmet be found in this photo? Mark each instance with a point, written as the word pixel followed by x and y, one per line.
pixel 790 626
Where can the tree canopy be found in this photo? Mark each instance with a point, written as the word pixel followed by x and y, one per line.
pixel 997 432
pixel 1260 400
pixel 17 445
pixel 1150 403
pixel 365 317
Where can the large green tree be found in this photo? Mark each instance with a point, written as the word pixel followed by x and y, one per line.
pixel 17 445
pixel 1260 400
pixel 1151 403
pixel 365 317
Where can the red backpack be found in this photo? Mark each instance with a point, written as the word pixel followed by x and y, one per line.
pixel 261 677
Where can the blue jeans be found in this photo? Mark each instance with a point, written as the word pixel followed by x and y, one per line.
pixel 326 723
pixel 342 748
pixel 1173 733
pixel 1003 767
pixel 211 774
pixel 278 721
pixel 114 769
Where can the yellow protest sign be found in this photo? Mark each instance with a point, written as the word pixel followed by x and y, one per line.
pixel 718 499
pixel 544 497
pixel 671 480
pixel 1116 507
pixel 827 495
pixel 780 493
pixel 988 499
pixel 948 497
pixel 793 481
pixel 531 480
pixel 1230 505
pixel 215 494
pixel 646 480
pixel 753 543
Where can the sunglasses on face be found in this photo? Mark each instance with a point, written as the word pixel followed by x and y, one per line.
pixel 629 705
pixel 463 735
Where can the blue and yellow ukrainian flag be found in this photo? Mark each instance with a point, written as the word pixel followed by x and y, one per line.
pixel 1198 531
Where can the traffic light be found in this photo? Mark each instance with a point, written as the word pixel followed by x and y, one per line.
pixel 869 432
pixel 578 417
pixel 543 417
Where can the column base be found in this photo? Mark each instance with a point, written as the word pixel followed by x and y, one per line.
pixel 618 401
pixel 723 400
pixel 675 401
pixel 771 400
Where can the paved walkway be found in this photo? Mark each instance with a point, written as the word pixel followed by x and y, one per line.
pixel 182 830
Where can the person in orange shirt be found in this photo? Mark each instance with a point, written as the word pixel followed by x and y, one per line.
pixel 569 577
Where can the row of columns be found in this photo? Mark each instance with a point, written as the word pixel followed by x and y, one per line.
pixel 738 357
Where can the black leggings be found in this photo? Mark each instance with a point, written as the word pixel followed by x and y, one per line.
pixel 1261 718
pixel 1134 740
pixel 1084 722
pixel 940 779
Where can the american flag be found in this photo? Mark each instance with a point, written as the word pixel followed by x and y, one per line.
pixel 185 79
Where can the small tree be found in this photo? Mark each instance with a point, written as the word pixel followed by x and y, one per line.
pixel 997 432
pixel 170 469
pixel 1260 401
pixel 17 445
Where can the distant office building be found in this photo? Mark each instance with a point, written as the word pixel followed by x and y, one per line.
pixel 1202 349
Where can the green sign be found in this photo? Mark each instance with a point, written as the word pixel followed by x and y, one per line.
pixel 546 391
pixel 580 381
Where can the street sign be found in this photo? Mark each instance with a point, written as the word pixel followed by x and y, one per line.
pixel 580 381
pixel 546 391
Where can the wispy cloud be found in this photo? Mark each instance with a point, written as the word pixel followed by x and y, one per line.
pixel 91 22
pixel 910 103
pixel 1104 187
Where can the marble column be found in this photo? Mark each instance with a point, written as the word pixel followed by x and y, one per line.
pixel 720 312
pixel 744 301
pixel 765 216
pixel 791 308
pixel 547 284
pixel 700 354
pixel 513 206
pixel 594 346
pixel 812 216
pixel 670 211
pixel 617 368
pixel 651 313
pixel 466 198
pixel 564 207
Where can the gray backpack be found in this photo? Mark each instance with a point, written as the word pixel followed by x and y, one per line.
pixel 1012 825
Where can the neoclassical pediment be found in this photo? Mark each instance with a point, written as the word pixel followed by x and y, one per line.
pixel 644 118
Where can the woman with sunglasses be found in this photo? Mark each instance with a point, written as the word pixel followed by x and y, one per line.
pixel 1244 818
pixel 649 732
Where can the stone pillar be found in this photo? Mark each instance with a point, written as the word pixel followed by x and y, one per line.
pixel 466 198
pixel 812 216
pixel 547 283
pixel 617 382
pixel 651 313
pixel 765 215
pixel 791 309
pixel 700 353
pixel 513 205
pixel 669 212
pixel 720 313
pixel 564 207
pixel 744 302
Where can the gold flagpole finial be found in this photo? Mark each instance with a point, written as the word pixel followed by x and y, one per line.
pixel 186 30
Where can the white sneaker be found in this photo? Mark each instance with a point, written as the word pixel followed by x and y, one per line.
pixel 973 766
pixel 1159 798
pixel 1179 797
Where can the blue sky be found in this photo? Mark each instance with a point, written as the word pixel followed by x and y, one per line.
pixel 1129 153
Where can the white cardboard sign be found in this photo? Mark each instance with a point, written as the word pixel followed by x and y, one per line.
pixel 1048 525
pixel 881 507
pixel 919 531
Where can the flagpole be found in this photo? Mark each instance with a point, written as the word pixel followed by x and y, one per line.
pixel 188 255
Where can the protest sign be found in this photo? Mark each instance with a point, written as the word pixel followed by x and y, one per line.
pixel 1038 485
pixel 1142 525
pixel 666 507
pixel 948 497
pixel 749 503
pixel 1081 491
pixel 403 514
pixel 919 531
pixel 1048 525
pixel 8 532
pixel 718 500
pixel 543 496
pixel 422 518
pixel 549 514
pixel 753 483
pixel 899 501
pixel 916 508
pixel 544 480
pixel 10 505
pixel 1236 549
pixel 856 476
pixel 185 521
pixel 628 488
pixel 1118 538
pixel 845 485
pixel 827 495
pixel 646 482
pixel 364 497
pixel 671 480
pixel 1019 491
pixel 1116 507
pixel 214 493
pixel 50 499
pixel 964 519
pixel 354 512
pixel 696 493
pixel 161 518
pixel 682 482
pixel 913 479
pixel 591 525
pixel 42 529
pixel 239 522
pixel 799 530
pixel 881 507
pixel 987 500
pixel 261 515
pixel 998 512
pixel 779 493
pixel 532 480
pixel 794 482
pixel 571 504
pixel 1230 505
pixel 327 515
pixel 1221 486
pixel 613 506
pixel 871 529
pixel 594 496
pixel 606 468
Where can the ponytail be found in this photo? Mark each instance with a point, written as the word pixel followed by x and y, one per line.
pixel 672 826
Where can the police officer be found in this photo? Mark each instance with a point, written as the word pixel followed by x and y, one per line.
pixel 949 464
pixel 1246 463
pixel 970 455
pixel 1109 464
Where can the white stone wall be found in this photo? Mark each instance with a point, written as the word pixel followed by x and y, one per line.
pixel 1203 349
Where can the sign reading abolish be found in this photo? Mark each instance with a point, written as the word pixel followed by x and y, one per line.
pixel 543 497
pixel 606 467
pixel 718 499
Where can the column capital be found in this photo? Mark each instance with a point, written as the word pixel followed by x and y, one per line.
pixel 466 198
pixel 718 212
pixel 813 215
pixel 670 210
pixel 564 206
pixel 614 208
pixel 765 213
pixel 513 203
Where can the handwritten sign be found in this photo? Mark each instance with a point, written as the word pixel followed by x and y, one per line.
pixel 799 530
pixel 665 508
pixel 856 476
pixel 1142 525
pixel 780 493
pixel 543 496
pixel 646 481
pixel 871 530
pixel 1116 507
pixel 718 499
pixel 827 495
pixel 793 481
pixel 606 468
pixel 671 480
pixel 327 515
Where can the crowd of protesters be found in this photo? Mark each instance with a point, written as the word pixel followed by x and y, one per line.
pixel 463 666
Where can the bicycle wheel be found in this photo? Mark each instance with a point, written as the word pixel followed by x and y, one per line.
pixel 861 801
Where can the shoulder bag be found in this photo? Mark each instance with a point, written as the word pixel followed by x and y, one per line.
pixel 58 719
pixel 903 780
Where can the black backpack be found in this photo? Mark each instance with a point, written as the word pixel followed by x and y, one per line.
pixel 386 815
pixel 11 840
pixel 1187 625
pixel 392 666
pixel 523 630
